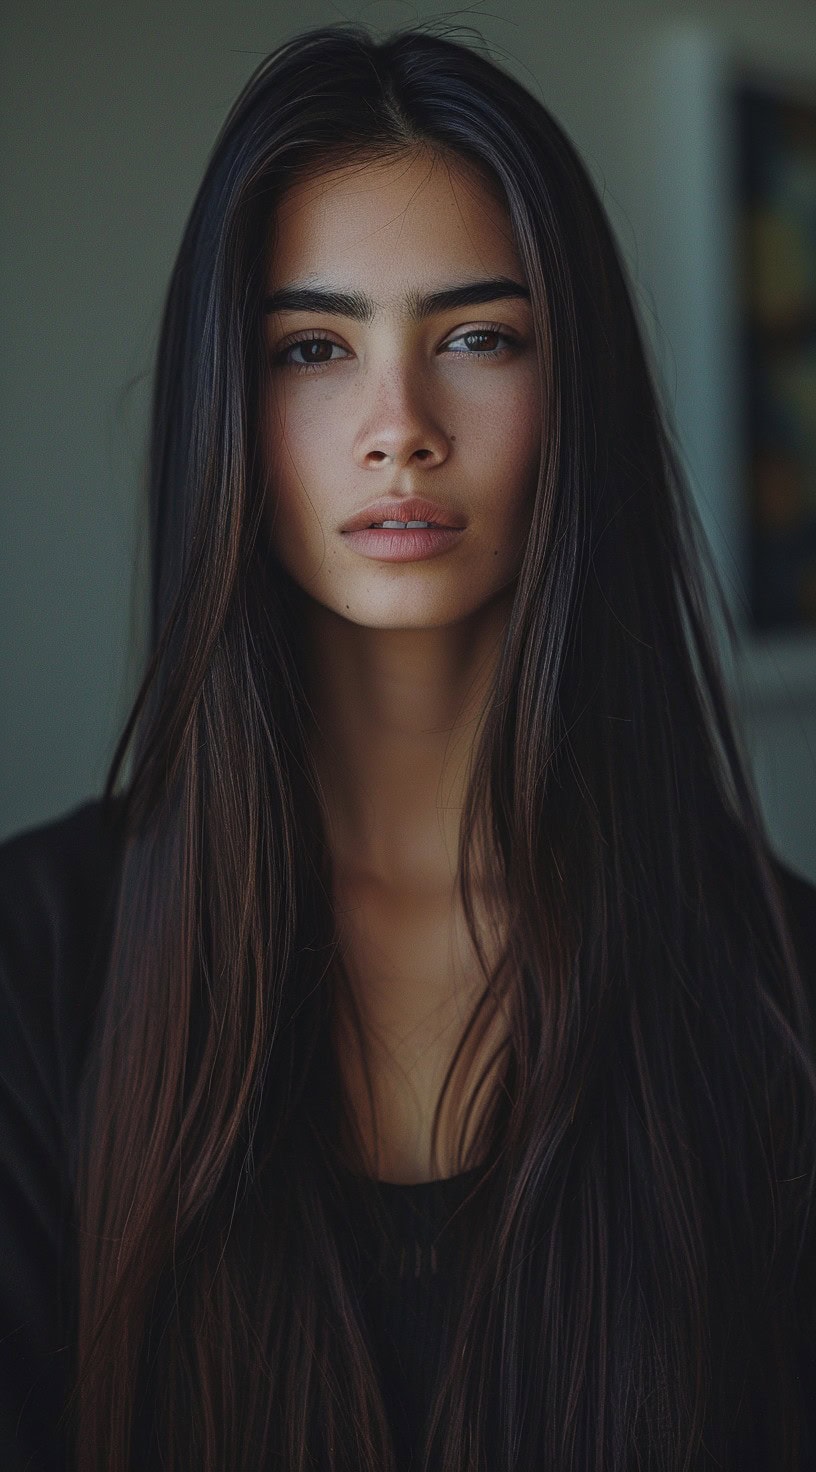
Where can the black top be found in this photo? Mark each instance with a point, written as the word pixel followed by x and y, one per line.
pixel 407 1279
pixel 55 909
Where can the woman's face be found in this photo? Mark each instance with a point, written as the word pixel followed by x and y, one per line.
pixel 370 398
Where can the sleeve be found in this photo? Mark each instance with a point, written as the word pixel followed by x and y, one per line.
pixel 51 898
pixel 800 905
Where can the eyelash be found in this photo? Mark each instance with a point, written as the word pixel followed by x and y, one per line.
pixel 485 329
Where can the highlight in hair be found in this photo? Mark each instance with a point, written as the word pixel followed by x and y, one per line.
pixel 634 1292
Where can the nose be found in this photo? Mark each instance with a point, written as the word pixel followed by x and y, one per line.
pixel 399 427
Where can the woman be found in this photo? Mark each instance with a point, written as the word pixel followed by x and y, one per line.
pixel 410 1061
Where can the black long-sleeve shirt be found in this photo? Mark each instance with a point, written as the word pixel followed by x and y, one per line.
pixel 55 910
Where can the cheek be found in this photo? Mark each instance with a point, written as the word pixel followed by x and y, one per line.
pixel 509 436
pixel 515 453
pixel 287 446
pixel 282 510
pixel 301 437
pixel 300 459
pixel 524 421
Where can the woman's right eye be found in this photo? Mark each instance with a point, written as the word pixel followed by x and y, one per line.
pixel 308 344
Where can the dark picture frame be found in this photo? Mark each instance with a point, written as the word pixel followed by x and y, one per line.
pixel 775 145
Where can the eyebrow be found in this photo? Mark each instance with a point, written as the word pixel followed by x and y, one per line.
pixel 417 305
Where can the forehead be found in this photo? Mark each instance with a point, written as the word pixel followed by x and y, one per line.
pixel 415 217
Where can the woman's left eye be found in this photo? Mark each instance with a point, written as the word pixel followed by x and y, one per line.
pixel 474 340
pixel 483 332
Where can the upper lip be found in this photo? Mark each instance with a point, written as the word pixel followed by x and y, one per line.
pixel 407 508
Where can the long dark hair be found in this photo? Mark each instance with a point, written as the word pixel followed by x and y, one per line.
pixel 633 1286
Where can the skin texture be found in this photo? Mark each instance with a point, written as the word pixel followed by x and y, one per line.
pixel 400 654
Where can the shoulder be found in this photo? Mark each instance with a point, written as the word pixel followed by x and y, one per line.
pixel 55 867
pixel 56 900
pixel 799 898
pixel 56 889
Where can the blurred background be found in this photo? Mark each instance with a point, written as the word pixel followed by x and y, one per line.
pixel 698 125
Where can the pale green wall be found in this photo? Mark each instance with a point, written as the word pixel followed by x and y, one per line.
pixel 108 113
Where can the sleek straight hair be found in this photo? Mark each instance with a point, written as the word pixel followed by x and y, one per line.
pixel 635 1293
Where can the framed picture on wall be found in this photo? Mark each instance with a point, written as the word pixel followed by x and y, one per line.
pixel 775 136
pixel 733 236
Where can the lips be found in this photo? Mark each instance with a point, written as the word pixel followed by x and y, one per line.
pixel 412 508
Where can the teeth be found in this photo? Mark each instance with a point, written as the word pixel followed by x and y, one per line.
pixel 389 525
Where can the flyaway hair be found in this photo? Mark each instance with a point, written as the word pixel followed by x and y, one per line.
pixel 641 1278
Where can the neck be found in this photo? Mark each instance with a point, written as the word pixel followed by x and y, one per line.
pixel 397 715
pixel 396 719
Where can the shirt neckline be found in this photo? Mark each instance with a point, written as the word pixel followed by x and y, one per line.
pixel 408 1188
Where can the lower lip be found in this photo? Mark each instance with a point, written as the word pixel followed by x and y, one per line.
pixel 389 545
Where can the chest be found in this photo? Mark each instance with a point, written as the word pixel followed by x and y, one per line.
pixel 408 953
pixel 415 977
